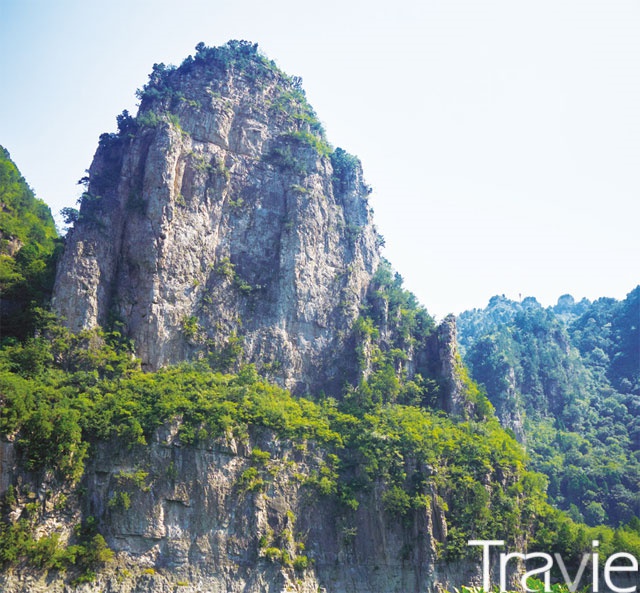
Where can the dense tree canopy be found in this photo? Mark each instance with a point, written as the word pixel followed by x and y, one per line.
pixel 571 374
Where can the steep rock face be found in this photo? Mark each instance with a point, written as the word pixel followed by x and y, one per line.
pixel 193 521
pixel 7 462
pixel 443 361
pixel 220 212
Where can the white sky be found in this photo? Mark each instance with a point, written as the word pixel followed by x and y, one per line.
pixel 501 137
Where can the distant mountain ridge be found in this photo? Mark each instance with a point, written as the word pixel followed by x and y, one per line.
pixel 566 380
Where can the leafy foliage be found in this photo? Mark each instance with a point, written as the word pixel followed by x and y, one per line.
pixel 345 167
pixel 388 371
pixel 317 143
pixel 28 250
pixel 572 372
pixel 90 552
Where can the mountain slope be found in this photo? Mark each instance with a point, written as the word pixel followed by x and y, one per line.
pixel 220 216
pixel 565 379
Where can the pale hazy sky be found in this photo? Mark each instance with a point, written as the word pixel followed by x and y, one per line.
pixel 502 138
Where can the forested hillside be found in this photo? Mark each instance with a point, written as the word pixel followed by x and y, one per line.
pixel 27 247
pixel 566 379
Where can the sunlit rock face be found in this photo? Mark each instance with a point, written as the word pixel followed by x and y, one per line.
pixel 219 219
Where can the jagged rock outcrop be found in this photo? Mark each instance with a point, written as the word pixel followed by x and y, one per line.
pixel 220 212
pixel 443 362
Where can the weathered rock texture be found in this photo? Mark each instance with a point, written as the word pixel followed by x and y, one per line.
pixel 442 360
pixel 218 212
pixel 195 524
pixel 7 463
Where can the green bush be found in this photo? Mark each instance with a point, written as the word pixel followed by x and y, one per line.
pixel 250 480
pixel 273 554
pixel 396 501
pixel 259 456
pixel 120 500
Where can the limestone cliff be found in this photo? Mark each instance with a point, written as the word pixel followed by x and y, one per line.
pixel 221 212
pixel 192 522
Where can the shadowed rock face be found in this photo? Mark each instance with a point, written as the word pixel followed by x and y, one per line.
pixel 219 212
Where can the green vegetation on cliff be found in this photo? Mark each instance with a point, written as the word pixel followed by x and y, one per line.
pixel 63 395
pixel 27 251
pixel 66 393
pixel 163 92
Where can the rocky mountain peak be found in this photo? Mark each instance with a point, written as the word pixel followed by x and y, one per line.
pixel 219 222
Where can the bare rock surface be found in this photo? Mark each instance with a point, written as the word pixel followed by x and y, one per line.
pixel 219 212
